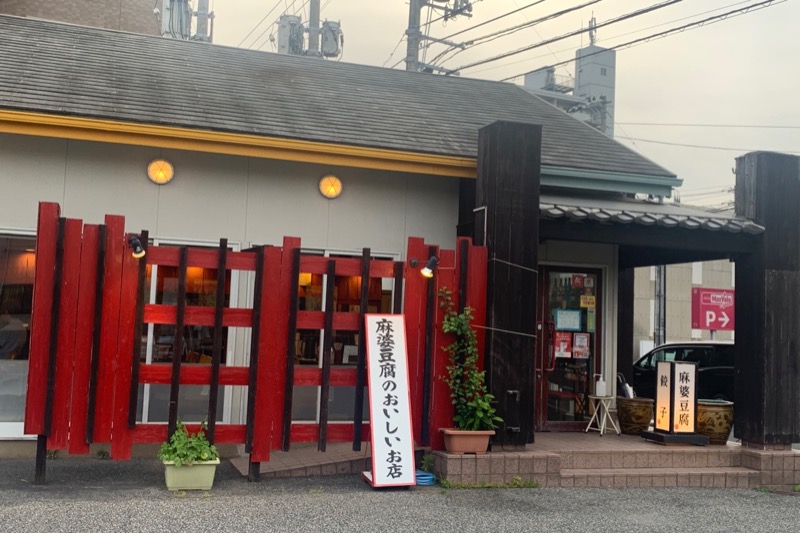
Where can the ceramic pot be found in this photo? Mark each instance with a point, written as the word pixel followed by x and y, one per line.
pixel 634 414
pixel 714 420
pixel 196 476
pixel 459 441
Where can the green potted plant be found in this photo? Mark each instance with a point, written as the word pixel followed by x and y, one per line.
pixel 474 415
pixel 190 460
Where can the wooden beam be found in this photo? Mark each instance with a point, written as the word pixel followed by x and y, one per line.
pixel 700 241
pixel 509 175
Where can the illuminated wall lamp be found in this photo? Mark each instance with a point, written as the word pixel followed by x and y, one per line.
pixel 160 171
pixel 430 266
pixel 304 279
pixel 330 187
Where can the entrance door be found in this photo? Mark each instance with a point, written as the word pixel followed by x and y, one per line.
pixel 567 347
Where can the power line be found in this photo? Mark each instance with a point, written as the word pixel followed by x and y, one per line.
pixel 447 14
pixel 699 146
pixel 526 60
pixel 686 125
pixel 627 16
pixel 259 24
pixel 493 20
pixel 513 29
pixel 705 190
pixel 667 33
pixel 402 37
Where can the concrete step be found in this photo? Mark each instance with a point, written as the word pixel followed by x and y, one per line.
pixel 718 477
pixel 657 457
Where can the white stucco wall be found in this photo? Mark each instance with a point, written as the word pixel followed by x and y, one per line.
pixel 249 201
pixel 246 200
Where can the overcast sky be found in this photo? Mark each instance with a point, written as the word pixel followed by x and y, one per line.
pixel 740 71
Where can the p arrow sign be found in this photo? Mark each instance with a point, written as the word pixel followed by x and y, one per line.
pixel 713 309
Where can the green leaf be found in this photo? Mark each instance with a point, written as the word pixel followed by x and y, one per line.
pixel 184 448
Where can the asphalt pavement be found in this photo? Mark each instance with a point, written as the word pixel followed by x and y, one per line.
pixel 93 494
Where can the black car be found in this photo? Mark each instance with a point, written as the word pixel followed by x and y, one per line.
pixel 715 368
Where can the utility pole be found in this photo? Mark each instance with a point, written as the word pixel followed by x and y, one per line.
pixel 413 35
pixel 313 29
pixel 202 21
pixel 660 306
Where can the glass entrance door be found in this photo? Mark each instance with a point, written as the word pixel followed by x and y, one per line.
pixel 567 347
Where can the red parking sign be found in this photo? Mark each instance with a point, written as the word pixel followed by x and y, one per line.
pixel 713 309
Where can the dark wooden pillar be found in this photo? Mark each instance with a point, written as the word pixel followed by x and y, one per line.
pixel 509 161
pixel 767 408
pixel 625 323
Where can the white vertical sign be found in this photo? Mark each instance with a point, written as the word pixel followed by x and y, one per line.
pixel 389 402
pixel 685 377
pixel 663 389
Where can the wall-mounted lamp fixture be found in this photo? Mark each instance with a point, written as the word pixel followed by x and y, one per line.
pixel 160 171
pixel 330 186
pixel 430 266
pixel 135 244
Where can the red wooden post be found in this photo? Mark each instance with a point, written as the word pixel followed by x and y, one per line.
pixel 476 295
pixel 65 347
pixel 122 440
pixel 268 354
pixel 414 311
pixel 441 406
pixel 87 288
pixel 276 360
pixel 110 327
pixel 46 234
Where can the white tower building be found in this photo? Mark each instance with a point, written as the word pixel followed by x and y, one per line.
pixel 590 97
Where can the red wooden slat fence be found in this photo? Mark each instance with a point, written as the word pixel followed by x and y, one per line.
pixel 83 386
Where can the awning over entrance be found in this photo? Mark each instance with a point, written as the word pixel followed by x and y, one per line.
pixel 647 232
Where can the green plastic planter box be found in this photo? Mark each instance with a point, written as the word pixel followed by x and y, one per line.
pixel 197 476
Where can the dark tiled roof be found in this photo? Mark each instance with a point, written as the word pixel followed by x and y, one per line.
pixel 73 70
pixel 625 210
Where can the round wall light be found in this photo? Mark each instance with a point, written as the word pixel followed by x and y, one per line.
pixel 160 171
pixel 330 186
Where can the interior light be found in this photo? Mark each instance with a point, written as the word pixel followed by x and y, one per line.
pixel 305 279
pixel 160 171
pixel 330 186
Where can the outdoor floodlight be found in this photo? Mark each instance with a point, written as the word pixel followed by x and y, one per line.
pixel 430 266
pixel 137 250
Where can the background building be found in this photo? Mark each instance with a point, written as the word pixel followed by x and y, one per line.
pixel 134 16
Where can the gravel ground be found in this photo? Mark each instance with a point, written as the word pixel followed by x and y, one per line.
pixel 89 494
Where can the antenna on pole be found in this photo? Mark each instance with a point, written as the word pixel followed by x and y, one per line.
pixel 592 30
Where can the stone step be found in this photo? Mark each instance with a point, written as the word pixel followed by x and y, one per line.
pixel 719 477
pixel 658 457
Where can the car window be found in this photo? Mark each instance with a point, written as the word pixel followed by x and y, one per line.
pixel 667 354
pixel 723 356
pixel 664 354
pixel 701 356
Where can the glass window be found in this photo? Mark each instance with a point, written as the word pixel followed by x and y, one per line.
pixel 309 343
pixel 17 268
pixel 201 291
pixel 158 340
